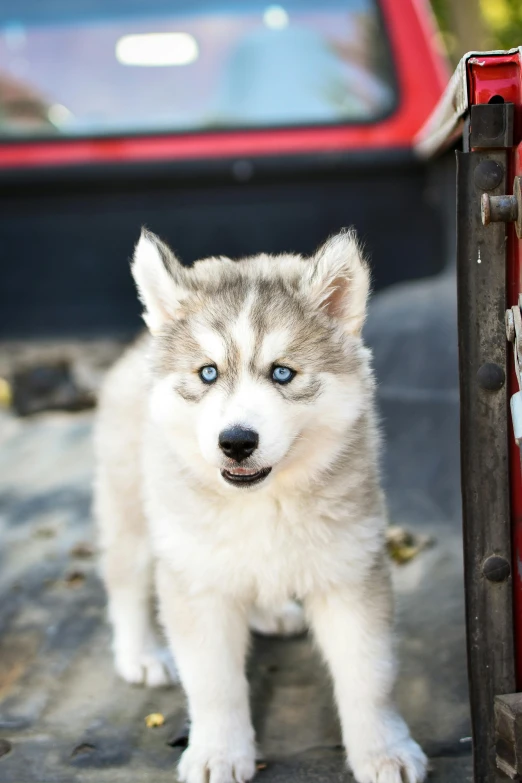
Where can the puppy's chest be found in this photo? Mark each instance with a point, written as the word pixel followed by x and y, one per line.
pixel 267 551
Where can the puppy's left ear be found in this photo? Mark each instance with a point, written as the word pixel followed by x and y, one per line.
pixel 338 281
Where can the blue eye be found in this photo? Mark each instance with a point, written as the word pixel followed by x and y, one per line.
pixel 208 374
pixel 282 374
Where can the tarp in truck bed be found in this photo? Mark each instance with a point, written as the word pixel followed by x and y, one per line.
pixel 66 716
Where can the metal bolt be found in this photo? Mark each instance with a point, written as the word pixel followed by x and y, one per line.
pixel 491 377
pixel 496 568
pixel 510 326
pixel 504 209
pixel 488 175
pixel 498 209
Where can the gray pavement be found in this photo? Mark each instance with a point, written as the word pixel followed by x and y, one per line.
pixel 62 709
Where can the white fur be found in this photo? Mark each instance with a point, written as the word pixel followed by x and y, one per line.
pixel 226 557
pixel 337 280
pixel 212 344
pixel 242 331
pixel 159 292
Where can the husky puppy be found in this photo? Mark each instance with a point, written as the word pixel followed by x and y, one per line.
pixel 237 468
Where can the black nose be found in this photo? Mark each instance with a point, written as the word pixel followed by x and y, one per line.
pixel 238 443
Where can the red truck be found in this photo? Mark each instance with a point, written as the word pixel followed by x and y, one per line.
pixel 232 128
pixel 227 127
pixel 483 106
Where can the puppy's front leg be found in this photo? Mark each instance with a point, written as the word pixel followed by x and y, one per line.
pixel 353 628
pixel 209 637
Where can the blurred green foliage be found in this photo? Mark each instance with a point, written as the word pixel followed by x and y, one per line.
pixel 478 24
pixel 504 19
pixel 440 9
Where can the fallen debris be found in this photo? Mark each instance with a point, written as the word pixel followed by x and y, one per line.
pixel 84 749
pixel 82 550
pixel 5 747
pixel 403 545
pixel 5 393
pixel 154 720
pixel 44 532
pixel 74 579
pixel 47 387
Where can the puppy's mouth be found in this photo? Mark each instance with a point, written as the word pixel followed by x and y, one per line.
pixel 244 477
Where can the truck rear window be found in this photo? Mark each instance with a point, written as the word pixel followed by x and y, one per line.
pixel 98 67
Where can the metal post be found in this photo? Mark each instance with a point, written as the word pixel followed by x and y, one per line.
pixel 481 254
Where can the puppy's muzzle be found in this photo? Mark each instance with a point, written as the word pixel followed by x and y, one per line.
pixel 238 443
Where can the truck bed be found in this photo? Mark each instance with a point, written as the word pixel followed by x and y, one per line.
pixel 66 718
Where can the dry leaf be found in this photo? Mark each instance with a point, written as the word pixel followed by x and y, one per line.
pixel 154 720
pixel 74 579
pixel 82 549
pixel 6 394
pixel 403 546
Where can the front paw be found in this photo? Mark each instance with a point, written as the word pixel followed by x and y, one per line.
pixel 402 762
pixel 154 668
pixel 226 765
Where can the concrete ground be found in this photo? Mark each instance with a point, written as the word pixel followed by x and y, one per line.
pixel 64 715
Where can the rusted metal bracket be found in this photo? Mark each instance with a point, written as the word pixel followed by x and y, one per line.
pixel 492 126
pixel 483 359
pixel 508 734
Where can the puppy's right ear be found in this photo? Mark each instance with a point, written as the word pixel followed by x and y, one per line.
pixel 160 279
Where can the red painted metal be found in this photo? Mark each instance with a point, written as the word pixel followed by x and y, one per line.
pixel 421 75
pixel 489 76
